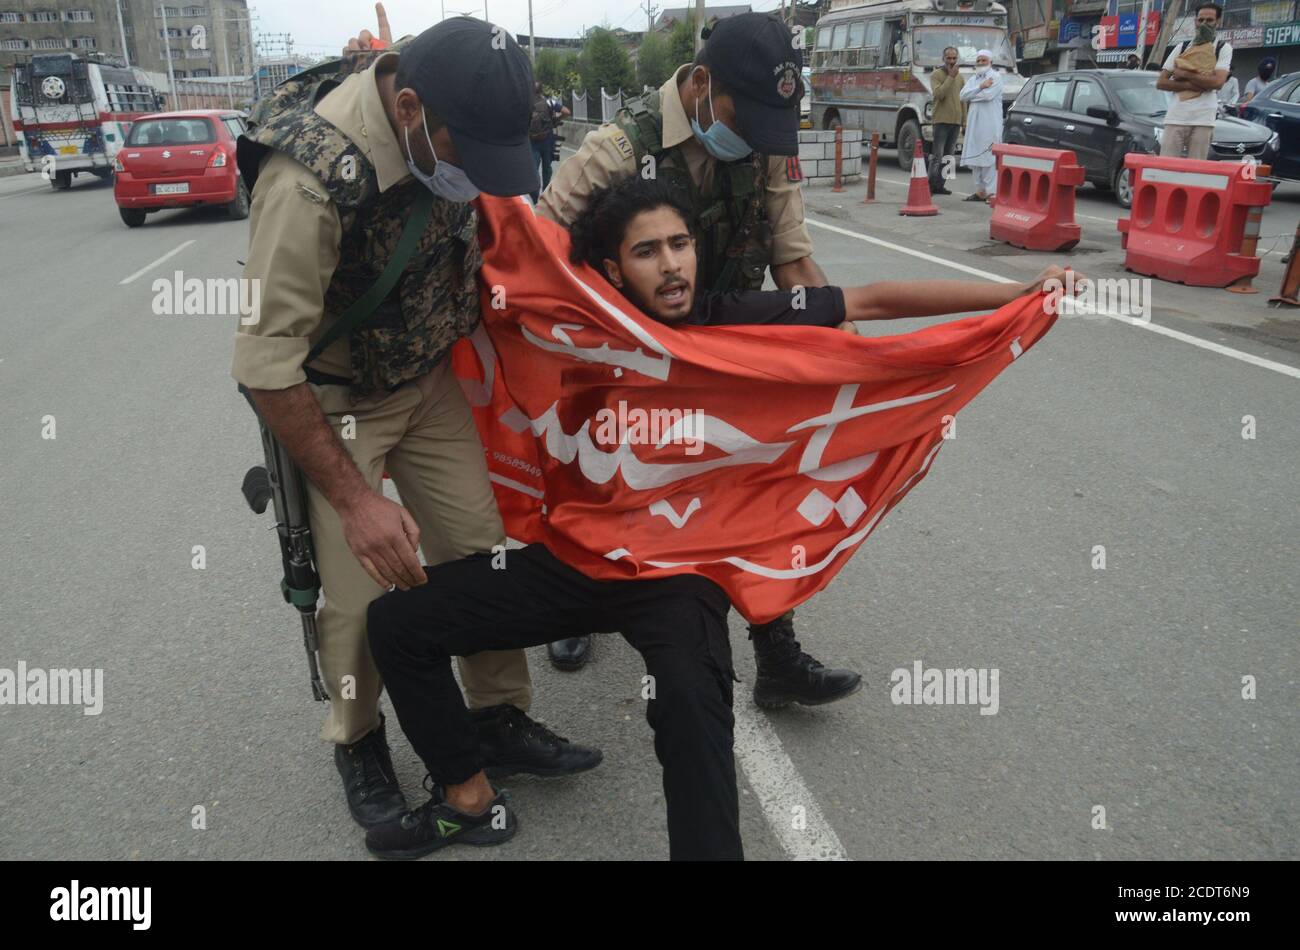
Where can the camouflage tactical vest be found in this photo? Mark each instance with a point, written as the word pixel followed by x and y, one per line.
pixel 732 233
pixel 435 301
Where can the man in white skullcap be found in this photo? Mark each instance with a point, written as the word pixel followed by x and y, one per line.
pixel 983 95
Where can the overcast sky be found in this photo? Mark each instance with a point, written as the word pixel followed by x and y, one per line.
pixel 322 26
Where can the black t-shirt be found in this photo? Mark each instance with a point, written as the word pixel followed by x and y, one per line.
pixel 822 307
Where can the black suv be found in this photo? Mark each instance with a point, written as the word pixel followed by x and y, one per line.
pixel 1103 114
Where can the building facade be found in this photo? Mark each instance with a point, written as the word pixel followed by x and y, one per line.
pixel 205 37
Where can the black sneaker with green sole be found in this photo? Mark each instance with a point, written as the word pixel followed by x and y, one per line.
pixel 435 824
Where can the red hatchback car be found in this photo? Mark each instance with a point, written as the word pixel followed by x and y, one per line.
pixel 180 159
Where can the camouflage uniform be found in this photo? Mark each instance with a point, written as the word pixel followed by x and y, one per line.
pixel 331 193
pixel 747 215
pixel 436 300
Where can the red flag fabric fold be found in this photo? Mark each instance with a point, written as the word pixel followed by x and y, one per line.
pixel 760 457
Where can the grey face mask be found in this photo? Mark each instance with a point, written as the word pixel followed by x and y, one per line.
pixel 447 181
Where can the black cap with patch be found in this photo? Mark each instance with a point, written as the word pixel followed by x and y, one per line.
pixel 475 78
pixel 754 57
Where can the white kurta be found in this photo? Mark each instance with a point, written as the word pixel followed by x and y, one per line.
pixel 983 119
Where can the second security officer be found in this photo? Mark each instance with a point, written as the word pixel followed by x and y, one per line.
pixel 367 254
pixel 723 132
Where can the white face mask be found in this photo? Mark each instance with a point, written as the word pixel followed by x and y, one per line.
pixel 447 181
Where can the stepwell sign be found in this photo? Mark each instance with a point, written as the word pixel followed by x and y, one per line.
pixel 1285 34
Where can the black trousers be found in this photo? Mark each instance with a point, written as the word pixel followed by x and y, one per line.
pixel 678 624
pixel 945 144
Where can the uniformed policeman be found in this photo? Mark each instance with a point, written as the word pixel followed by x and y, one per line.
pixel 723 131
pixel 337 160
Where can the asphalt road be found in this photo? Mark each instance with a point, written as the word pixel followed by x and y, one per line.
pixel 1119 688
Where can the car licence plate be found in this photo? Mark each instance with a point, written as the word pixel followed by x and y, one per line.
pixel 180 189
pixel 67 150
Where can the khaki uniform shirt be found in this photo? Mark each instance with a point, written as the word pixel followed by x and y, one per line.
pixel 606 157
pixel 294 238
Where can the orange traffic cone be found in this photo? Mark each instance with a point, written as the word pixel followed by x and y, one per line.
pixel 919 203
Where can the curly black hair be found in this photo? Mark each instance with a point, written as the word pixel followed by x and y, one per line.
pixel 599 230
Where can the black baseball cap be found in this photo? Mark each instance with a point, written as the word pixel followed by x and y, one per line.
pixel 754 57
pixel 476 78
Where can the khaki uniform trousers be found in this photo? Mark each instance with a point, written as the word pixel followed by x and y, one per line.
pixel 423 433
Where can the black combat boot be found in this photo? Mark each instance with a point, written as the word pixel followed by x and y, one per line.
pixel 369 781
pixel 569 654
pixel 788 675
pixel 435 824
pixel 510 742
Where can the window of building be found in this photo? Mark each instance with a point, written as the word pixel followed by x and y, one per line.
pixel 8 16
pixel 202 72
pixel 83 42
pixel 79 16
pixel 173 31
pixel 49 43
pixel 172 11
pixel 13 44
pixel 44 16
pixel 196 11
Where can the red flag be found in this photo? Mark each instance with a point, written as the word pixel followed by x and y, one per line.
pixel 760 457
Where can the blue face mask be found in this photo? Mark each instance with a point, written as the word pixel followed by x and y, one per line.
pixel 447 181
pixel 719 141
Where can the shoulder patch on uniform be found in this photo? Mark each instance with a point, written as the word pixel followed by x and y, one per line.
pixel 792 170
pixel 621 142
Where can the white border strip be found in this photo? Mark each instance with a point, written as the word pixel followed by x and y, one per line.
pixel 1283 368
pixel 148 267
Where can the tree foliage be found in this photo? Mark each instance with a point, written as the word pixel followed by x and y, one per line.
pixel 654 61
pixel 604 64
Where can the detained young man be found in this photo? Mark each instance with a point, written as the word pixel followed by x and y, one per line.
pixel 637 234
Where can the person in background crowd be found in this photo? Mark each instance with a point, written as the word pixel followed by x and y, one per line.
pixel 541 135
pixel 946 116
pixel 983 96
pixel 1134 61
pixel 1229 92
pixel 1189 124
pixel 1253 88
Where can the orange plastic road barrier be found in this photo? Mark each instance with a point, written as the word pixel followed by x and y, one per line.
pixel 1189 217
pixel 1034 205
pixel 919 202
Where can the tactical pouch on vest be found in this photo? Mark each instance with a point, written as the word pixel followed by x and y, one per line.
pixel 368 302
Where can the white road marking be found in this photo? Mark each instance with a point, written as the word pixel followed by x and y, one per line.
pixel 148 267
pixel 781 790
pixel 17 194
pixel 1244 357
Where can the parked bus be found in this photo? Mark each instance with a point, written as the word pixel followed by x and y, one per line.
pixel 72 114
pixel 872 61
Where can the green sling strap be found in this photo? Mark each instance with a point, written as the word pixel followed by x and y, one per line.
pixel 368 302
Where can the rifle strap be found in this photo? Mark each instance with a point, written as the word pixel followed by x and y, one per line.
pixel 368 302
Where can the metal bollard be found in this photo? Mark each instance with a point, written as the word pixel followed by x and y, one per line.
pixel 839 158
pixel 1290 292
pixel 871 170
